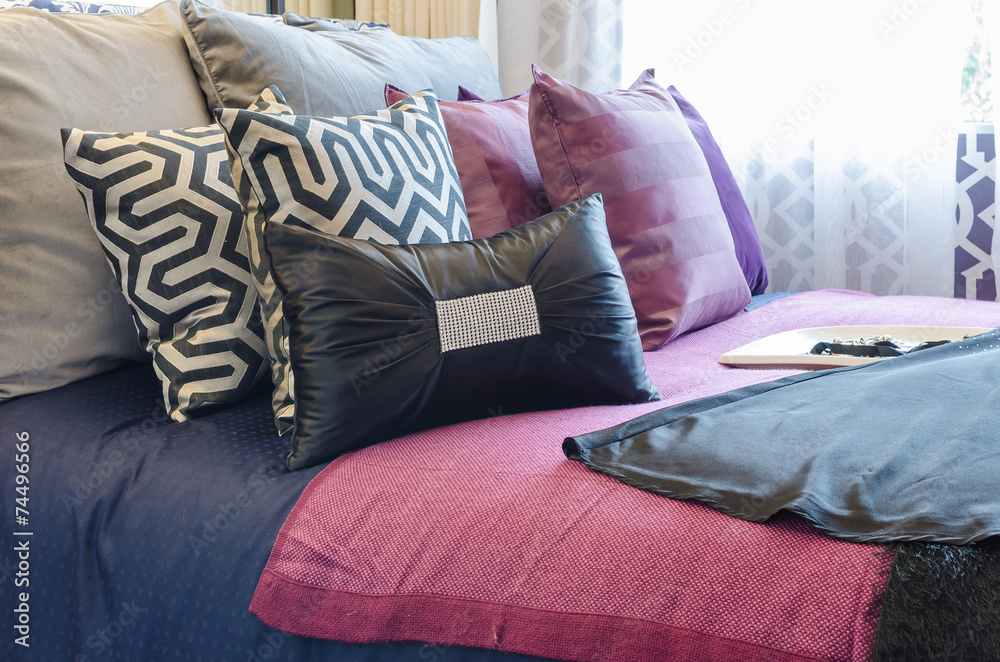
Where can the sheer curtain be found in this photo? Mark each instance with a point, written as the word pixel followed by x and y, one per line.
pixel 423 18
pixel 840 119
pixel 579 41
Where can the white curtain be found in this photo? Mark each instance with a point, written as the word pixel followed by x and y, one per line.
pixel 579 41
pixel 423 18
pixel 840 119
pixel 985 149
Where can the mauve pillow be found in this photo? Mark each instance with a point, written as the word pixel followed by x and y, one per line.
pixel 748 249
pixel 664 216
pixel 495 162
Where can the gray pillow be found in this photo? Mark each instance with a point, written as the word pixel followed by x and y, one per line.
pixel 325 73
pixel 329 24
pixel 62 315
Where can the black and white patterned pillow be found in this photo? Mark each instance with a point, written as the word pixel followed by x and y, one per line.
pixel 168 217
pixel 387 176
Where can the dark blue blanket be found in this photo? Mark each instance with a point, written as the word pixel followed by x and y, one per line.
pixel 904 449
pixel 142 538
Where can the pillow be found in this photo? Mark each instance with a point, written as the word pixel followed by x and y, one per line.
pixel 166 213
pixel 388 176
pixel 62 315
pixel 748 249
pixel 324 73
pixel 70 7
pixel 494 159
pixel 664 216
pixel 329 24
pixel 387 340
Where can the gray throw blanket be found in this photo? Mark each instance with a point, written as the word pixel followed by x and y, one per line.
pixel 904 449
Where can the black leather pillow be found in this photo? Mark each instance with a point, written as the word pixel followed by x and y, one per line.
pixel 386 340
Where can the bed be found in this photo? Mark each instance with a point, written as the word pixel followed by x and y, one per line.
pixel 144 523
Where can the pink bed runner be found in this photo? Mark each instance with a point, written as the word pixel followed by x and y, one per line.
pixel 483 534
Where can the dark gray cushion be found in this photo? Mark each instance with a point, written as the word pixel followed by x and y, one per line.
pixel 324 73
pixel 62 315
pixel 387 340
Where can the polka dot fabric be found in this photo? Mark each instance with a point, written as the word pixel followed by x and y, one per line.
pixel 484 534
pixel 149 536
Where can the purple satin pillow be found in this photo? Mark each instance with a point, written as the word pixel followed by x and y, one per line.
pixel 747 243
pixel 495 161
pixel 748 248
pixel 664 216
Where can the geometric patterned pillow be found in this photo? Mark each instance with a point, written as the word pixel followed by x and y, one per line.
pixel 387 176
pixel 166 213
pixel 71 7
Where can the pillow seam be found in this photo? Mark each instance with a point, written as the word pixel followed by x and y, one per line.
pixel 550 111
pixel 202 58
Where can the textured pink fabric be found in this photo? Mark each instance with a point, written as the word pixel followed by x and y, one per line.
pixel 664 215
pixel 484 534
pixel 494 159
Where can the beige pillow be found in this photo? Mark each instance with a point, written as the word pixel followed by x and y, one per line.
pixel 62 315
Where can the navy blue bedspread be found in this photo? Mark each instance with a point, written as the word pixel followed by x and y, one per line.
pixel 147 536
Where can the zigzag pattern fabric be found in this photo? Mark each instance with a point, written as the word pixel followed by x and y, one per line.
pixel 387 176
pixel 165 210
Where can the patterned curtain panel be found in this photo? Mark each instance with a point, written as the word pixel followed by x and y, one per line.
pixel 841 120
pixel 985 54
pixel 579 41
pixel 423 18
pixel 976 176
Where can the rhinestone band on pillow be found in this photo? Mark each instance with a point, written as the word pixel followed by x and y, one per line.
pixel 483 319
